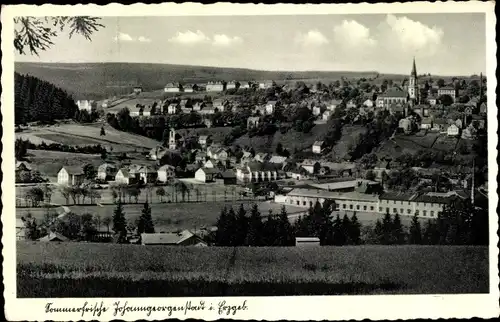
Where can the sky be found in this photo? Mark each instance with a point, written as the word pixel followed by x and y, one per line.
pixel 442 43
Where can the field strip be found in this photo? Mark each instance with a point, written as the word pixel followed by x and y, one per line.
pixel 96 139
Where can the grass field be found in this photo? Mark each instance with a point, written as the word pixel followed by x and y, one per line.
pixel 349 134
pixel 110 270
pixel 78 134
pixel 50 162
pixel 167 216
pixel 290 140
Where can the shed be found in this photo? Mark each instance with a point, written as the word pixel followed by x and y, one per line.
pixel 306 241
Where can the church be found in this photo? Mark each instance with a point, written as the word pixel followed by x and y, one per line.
pixel 400 97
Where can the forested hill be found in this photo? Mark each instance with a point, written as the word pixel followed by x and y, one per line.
pixel 101 80
pixel 38 100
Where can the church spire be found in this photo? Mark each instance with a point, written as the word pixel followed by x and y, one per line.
pixel 414 69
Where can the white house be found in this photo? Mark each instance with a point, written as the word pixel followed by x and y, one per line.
pixel 316 110
pixel 453 130
pixel 271 107
pixel 368 103
pixel 318 147
pixel 333 105
pixel 123 176
pixel 219 104
pixel 217 153
pixel 209 164
pixel 88 105
pixel 165 173
pixel 70 176
pixel 310 165
pixel 215 86
pixel 326 115
pixel 206 174
pixel 172 88
pixel 265 84
pixel 203 140
pixel 258 172
pixel 106 171
pixel 173 108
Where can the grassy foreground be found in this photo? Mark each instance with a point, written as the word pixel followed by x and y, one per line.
pixel 108 270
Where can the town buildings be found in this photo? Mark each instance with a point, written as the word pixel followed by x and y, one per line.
pixel 448 90
pixel 216 86
pixel 166 173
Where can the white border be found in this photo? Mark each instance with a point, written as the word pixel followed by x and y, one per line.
pixel 269 308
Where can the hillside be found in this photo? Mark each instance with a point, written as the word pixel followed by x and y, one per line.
pixel 89 134
pixel 100 80
pixel 67 270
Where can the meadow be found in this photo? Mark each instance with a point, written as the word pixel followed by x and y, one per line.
pixel 78 134
pixel 167 216
pixel 111 270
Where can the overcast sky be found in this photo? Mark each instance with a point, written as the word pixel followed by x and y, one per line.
pixel 446 44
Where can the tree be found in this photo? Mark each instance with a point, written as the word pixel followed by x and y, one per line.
pixel 338 232
pixel 160 192
pixel 103 132
pixel 120 224
pixel 241 228
pixel 94 196
pixel 37 33
pixel 446 100
pixel 31 227
pixel 88 229
pixel 440 82
pixel 398 236
pixel 36 195
pixel 387 229
pixel 107 221
pixel 145 222
pixel 65 192
pixel 379 232
pixel 89 171
pixel 255 227
pixel 283 229
pixel 355 230
pixel 222 234
pixel 415 231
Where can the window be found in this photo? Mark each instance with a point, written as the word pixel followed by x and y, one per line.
pixel 380 209
pixel 343 206
pixel 371 208
pixel 394 210
pixel 364 207
pixel 401 210
pixel 350 206
pixel 394 201
pixel 432 213
pixel 409 211
pixel 424 204
pixel 357 207
pixel 425 213
pixel 401 201
pixel 310 203
pixel 291 202
pixel 408 203
pixel 298 203
pixel 304 203
pixel 387 209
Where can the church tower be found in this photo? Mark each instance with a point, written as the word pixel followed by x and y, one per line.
pixel 413 84
pixel 172 142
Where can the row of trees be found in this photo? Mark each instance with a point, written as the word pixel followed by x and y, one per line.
pixel 21 148
pixel 458 224
pixel 86 227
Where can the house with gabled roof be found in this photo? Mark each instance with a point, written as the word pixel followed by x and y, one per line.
pixel 166 173
pixel 106 171
pixel 183 238
pixel 206 174
pixel 70 176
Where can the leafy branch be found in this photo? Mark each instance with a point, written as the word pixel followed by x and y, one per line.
pixel 37 33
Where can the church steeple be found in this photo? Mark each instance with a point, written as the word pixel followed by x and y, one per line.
pixel 413 90
pixel 414 69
